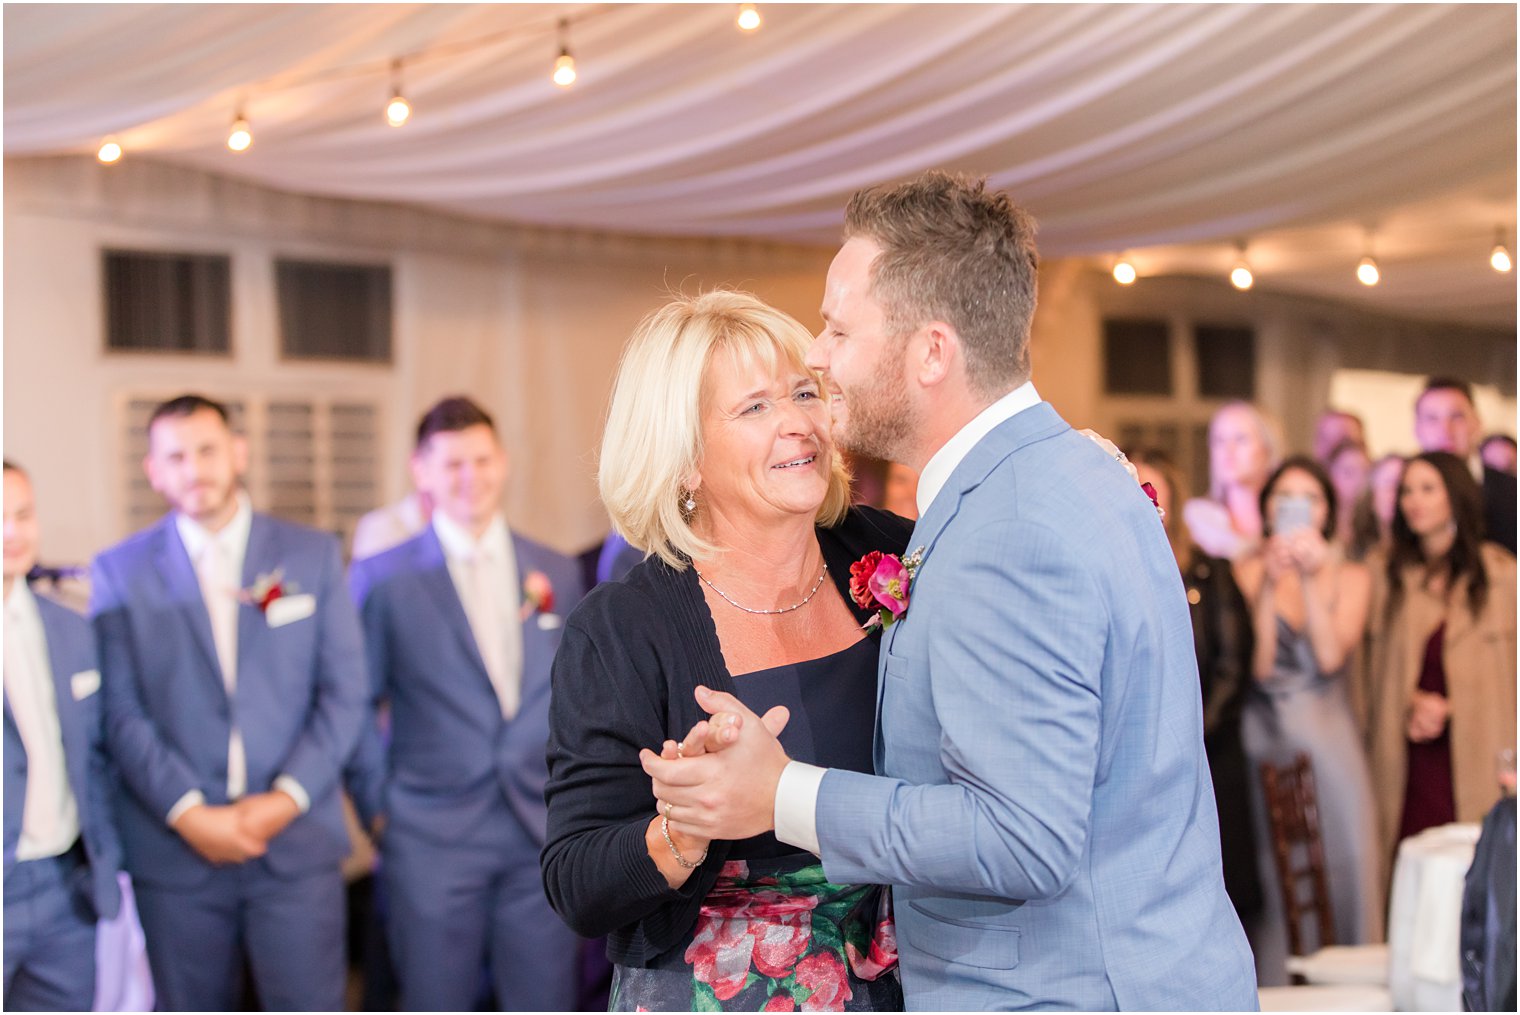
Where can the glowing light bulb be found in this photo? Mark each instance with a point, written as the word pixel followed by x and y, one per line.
pixel 398 110
pixel 1124 273
pixel 564 69
pixel 1241 277
pixel 749 17
pixel 110 152
pixel 1367 272
pixel 241 136
pixel 1500 259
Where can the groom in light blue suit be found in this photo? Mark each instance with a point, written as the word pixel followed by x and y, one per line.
pixel 1042 804
pixel 235 688
pixel 461 623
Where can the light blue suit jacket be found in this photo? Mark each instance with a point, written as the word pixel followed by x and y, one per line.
pixel 1043 806
pixel 300 698
pixel 452 756
pixel 71 651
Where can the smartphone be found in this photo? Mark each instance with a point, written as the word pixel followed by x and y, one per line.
pixel 1289 514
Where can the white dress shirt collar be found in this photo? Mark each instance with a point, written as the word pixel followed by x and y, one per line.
pixel 937 472
pixel 233 536
pixel 460 545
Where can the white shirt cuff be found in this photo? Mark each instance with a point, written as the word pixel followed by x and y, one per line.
pixel 287 784
pixel 797 805
pixel 194 798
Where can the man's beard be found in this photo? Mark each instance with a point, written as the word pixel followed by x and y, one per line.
pixel 881 420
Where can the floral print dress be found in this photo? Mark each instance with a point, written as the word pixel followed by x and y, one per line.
pixel 774 934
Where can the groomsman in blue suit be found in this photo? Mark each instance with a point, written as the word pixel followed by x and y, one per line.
pixel 461 623
pixel 61 850
pixel 1042 805
pixel 235 690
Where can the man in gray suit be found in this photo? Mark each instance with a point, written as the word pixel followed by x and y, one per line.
pixel 1042 804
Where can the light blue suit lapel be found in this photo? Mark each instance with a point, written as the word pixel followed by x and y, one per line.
pixel 1034 423
pixel 184 591
pixel 433 573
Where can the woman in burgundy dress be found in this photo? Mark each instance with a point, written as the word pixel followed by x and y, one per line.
pixel 1443 656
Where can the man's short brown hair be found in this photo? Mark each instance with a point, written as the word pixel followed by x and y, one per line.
pixel 450 415
pixel 953 251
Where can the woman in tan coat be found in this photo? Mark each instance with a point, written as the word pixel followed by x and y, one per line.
pixel 1442 695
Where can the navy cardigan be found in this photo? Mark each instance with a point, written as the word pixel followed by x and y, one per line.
pixel 632 655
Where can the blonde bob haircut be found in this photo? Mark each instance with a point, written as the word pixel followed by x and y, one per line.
pixel 653 441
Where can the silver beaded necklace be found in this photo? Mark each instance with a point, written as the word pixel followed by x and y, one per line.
pixel 785 609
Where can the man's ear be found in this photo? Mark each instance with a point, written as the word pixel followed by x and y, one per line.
pixel 936 348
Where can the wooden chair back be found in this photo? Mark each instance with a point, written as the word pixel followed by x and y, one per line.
pixel 1293 819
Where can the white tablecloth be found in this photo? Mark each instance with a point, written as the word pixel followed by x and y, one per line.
pixel 1424 918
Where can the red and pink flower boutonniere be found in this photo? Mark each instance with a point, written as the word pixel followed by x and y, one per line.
pixel 883 581
pixel 537 594
pixel 267 589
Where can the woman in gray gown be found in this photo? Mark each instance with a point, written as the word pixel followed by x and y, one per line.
pixel 1309 611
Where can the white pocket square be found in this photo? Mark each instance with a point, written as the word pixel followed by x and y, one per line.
pixel 84 683
pixel 549 621
pixel 289 609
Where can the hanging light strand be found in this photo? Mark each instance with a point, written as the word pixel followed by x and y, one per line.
pixel 1241 276
pixel 1499 258
pixel 564 64
pixel 397 110
pixel 240 136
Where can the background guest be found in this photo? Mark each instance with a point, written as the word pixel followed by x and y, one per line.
pixel 460 624
pixel 1309 613
pixel 61 849
pixel 1446 419
pixel 1243 449
pixel 1443 673
pixel 1498 453
pixel 234 684
pixel 1350 471
pixel 1222 641
pixel 1383 496
pixel 391 525
pixel 1331 428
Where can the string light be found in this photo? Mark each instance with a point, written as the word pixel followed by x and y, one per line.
pixel 398 110
pixel 1240 275
pixel 1499 258
pixel 564 64
pixel 1124 272
pixel 240 137
pixel 749 17
pixel 1367 271
pixel 109 153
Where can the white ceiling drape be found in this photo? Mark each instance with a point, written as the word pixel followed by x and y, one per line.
pixel 1169 130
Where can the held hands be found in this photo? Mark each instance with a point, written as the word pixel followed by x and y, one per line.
pixel 721 784
pixel 1308 551
pixel 1428 714
pixel 237 832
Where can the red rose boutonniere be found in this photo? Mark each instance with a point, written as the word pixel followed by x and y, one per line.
pixel 882 581
pixel 537 594
pixel 266 589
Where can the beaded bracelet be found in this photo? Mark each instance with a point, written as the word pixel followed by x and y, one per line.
pixel 689 865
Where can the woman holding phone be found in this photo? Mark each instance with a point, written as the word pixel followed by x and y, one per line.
pixel 1309 612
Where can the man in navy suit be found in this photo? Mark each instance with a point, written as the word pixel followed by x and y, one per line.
pixel 61 850
pixel 235 690
pixel 461 623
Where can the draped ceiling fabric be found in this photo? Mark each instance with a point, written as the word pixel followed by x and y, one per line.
pixel 1170 132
